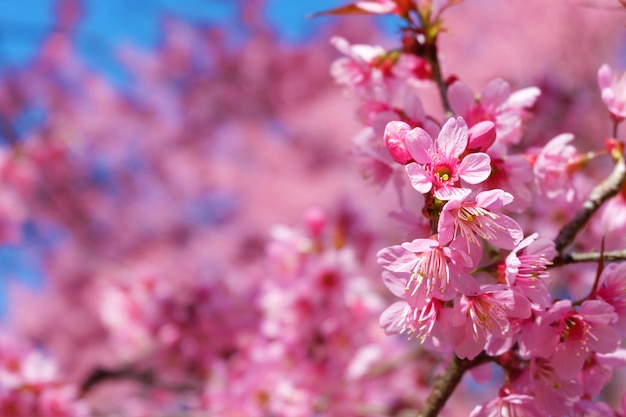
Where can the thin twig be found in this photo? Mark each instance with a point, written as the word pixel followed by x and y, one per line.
pixel 601 193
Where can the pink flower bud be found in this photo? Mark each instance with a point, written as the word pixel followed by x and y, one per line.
pixel 481 136
pixel 315 219
pixel 395 141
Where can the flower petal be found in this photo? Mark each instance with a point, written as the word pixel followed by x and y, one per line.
pixel 420 145
pixel 452 140
pixel 419 178
pixel 475 168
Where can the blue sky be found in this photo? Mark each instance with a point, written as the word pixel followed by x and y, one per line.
pixel 24 23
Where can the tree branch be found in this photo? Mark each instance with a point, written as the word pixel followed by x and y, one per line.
pixel 576 257
pixel 602 192
pixel 445 384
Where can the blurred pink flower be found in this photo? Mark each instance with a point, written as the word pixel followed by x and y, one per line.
pixel 497 104
pixel 509 405
pixel 554 166
pixel 613 91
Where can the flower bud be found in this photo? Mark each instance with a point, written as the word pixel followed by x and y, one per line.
pixel 395 141
pixel 481 136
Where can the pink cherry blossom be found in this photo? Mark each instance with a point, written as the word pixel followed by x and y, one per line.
pixel 553 168
pixel 395 141
pixel 497 104
pixel 508 404
pixel 435 271
pixel 513 174
pixel 439 165
pixel 613 91
pixel 486 316
pixel 472 221
pixel 581 333
pixel 525 268
pixel 612 290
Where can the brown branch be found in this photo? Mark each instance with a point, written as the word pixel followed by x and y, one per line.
pixel 602 192
pixel 445 384
pixel 576 257
pixel 433 58
pixel 100 375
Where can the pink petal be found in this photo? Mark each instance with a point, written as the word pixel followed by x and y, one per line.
pixel 461 98
pixel 475 168
pixel 510 236
pixel 395 282
pixel 420 145
pixel 445 228
pixel 393 318
pixel 452 140
pixel 452 193
pixel 525 98
pixel 481 136
pixel 420 245
pixel 419 178
pixel 465 284
pixel 605 77
pixel 495 94
pixel 395 141
pixel 493 199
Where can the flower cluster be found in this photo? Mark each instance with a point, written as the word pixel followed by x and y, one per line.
pixel 476 284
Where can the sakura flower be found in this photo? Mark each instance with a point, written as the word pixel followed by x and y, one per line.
pixel 612 290
pixel 497 104
pixel 513 174
pixel 484 316
pixel 395 141
pixel 613 90
pixel 434 270
pixel 526 267
pixel 554 166
pixel 581 332
pixel 439 165
pixel 474 220
pixel 555 395
pixel 353 70
pixel 401 317
pixel 507 404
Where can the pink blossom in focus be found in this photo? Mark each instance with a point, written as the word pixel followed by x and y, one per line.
pixel 525 269
pixel 438 164
pixel 435 270
pixel 485 316
pixel 581 332
pixel 612 290
pixel 613 91
pixel 471 221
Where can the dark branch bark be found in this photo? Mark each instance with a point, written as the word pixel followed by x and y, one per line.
pixel 445 384
pixel 572 258
pixel 602 192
